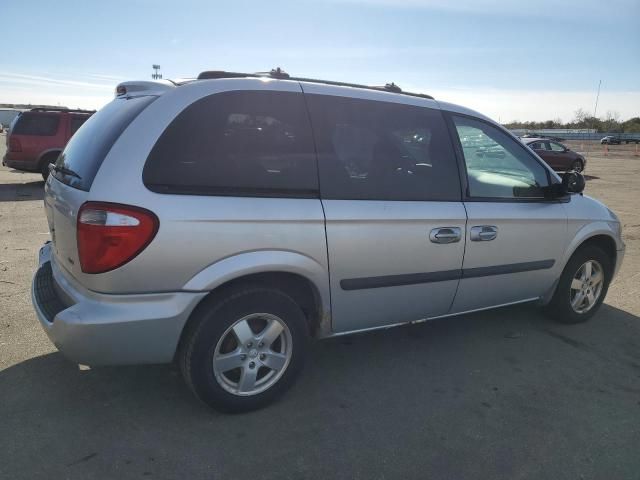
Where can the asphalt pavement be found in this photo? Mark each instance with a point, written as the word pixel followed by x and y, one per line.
pixel 503 394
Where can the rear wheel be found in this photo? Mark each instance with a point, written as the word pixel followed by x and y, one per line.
pixel 241 352
pixel 582 286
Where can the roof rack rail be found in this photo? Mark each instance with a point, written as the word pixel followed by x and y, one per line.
pixel 282 75
pixel 392 87
pixel 61 109
pixel 214 74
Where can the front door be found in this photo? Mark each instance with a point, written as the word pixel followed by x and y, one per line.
pixel 395 222
pixel 515 237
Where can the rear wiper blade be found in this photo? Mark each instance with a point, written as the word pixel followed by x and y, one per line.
pixel 66 171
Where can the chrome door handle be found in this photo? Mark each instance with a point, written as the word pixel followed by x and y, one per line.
pixel 483 233
pixel 445 235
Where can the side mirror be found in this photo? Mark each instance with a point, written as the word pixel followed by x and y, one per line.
pixel 573 182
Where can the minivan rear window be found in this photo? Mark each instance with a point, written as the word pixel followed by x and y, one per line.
pixel 86 150
pixel 37 124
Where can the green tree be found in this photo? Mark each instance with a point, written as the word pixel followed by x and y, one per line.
pixel 632 125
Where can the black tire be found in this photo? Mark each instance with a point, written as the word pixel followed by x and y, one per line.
pixel 46 161
pixel 44 170
pixel 560 306
pixel 208 325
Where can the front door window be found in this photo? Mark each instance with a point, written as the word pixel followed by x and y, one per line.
pixel 497 165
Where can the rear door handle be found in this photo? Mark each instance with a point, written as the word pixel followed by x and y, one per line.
pixel 483 233
pixel 445 235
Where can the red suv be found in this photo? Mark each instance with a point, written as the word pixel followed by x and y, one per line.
pixel 39 135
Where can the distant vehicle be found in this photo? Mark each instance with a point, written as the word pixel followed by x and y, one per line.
pixel 610 140
pixel 311 208
pixel 558 156
pixel 39 135
pixel 613 140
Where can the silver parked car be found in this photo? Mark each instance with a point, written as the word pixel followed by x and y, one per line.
pixel 222 221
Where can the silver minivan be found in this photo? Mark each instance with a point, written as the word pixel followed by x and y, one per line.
pixel 220 222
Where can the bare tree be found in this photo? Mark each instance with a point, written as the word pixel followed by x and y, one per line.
pixel 580 117
pixel 612 121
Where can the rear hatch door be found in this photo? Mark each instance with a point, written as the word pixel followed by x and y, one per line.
pixel 68 186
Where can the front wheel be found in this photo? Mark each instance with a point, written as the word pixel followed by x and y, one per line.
pixel 241 352
pixel 582 286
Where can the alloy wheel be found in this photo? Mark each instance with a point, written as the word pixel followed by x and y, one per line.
pixel 586 286
pixel 252 354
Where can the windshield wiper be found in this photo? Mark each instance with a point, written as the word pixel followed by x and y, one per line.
pixel 66 171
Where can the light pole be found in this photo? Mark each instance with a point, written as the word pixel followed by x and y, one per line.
pixel 156 75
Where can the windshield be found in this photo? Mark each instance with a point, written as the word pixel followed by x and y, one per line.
pixel 81 159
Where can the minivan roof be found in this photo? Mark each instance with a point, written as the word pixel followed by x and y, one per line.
pixel 280 74
pixel 154 88
pixel 158 87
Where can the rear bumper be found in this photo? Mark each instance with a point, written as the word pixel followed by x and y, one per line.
pixel 27 165
pixel 100 329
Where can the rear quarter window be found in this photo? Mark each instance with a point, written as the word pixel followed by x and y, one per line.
pixel 240 143
pixel 37 124
pixel 89 146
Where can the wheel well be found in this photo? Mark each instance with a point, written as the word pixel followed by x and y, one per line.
pixel 296 286
pixel 605 243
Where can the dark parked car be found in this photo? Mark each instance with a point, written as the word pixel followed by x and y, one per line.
pixel 39 135
pixel 557 155
pixel 610 140
pixel 613 140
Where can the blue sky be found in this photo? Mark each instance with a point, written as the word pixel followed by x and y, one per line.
pixel 510 60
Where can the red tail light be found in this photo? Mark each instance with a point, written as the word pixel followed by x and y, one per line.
pixel 110 235
pixel 14 145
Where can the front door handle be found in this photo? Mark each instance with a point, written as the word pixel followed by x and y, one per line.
pixel 483 233
pixel 445 235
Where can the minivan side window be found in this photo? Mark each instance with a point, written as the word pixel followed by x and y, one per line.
pixel 497 165
pixel 373 150
pixel 244 143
